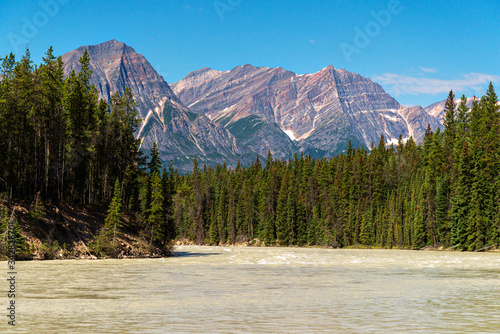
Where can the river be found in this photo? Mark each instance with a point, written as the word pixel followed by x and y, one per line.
pixel 262 290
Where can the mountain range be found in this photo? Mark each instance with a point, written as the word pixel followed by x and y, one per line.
pixel 226 116
pixel 179 133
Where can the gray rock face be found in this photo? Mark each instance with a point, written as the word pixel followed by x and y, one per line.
pixel 260 136
pixel 116 66
pixel 319 111
pixel 179 133
pixel 437 109
pixel 418 120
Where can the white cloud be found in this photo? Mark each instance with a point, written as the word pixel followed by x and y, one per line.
pixel 402 84
pixel 428 69
pixel 312 41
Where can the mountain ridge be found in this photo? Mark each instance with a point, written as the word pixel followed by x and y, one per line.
pixel 309 108
pixel 226 116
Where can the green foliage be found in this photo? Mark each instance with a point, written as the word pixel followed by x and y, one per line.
pixel 156 216
pixel 154 164
pixel 57 140
pixel 102 244
pixel 49 250
pixel 442 192
pixel 113 221
pixel 10 232
pixel 39 210
pixel 105 242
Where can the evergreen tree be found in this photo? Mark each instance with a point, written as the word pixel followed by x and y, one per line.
pixel 154 164
pixel 9 236
pixel 282 212
pixel 113 221
pixel 442 209
pixel 461 200
pixel 156 217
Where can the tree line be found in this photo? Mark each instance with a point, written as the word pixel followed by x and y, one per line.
pixel 442 192
pixel 59 142
pixel 57 138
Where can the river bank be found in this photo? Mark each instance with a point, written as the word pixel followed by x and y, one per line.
pixel 258 243
pixel 63 231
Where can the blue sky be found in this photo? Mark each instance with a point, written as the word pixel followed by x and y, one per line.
pixel 417 50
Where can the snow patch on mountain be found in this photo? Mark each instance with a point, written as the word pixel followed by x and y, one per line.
pixel 290 134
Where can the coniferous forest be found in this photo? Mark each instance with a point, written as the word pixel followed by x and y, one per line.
pixel 60 143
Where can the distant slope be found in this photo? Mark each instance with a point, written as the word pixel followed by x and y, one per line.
pixel 437 109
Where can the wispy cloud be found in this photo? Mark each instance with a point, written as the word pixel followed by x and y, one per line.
pixel 407 85
pixel 312 41
pixel 428 69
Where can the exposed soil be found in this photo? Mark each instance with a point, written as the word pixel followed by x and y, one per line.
pixel 74 228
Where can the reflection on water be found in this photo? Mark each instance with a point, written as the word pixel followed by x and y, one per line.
pixel 262 290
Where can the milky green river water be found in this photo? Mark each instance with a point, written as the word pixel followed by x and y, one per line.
pixel 261 290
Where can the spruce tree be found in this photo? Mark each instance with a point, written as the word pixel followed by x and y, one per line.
pixel 461 200
pixel 8 236
pixel 282 212
pixel 442 209
pixel 156 216
pixel 113 221
pixel 154 163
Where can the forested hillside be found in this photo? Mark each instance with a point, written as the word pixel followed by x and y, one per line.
pixel 60 143
pixel 58 139
pixel 445 192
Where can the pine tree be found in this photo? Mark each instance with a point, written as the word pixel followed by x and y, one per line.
pixel 156 216
pixel 167 186
pixel 198 205
pixel 462 128
pixel 282 212
pixel 450 131
pixel 145 196
pixel 221 202
pixel 418 224
pixel 442 209
pixel 8 236
pixel 231 215
pixel 291 218
pixel 461 200
pixel 154 163
pixel 113 221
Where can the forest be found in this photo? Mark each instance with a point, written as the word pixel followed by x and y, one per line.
pixel 60 143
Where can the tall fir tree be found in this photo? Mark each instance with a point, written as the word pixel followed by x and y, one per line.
pixel 113 221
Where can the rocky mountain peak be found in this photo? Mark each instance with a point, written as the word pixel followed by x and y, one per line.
pixel 115 66
pixel 319 111
pixel 179 133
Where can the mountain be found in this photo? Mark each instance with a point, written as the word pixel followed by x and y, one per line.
pixel 179 133
pixel 319 112
pixel 116 66
pixel 417 120
pixel 223 117
pixel 437 109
